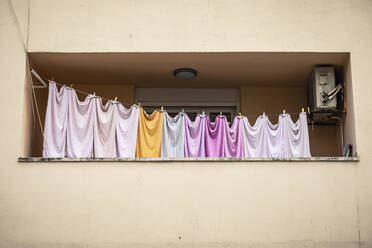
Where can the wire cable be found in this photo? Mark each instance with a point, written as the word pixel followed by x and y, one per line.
pixel 87 93
pixel 129 104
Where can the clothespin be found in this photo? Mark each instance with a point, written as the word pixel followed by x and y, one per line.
pixel 71 85
pixel 116 98
pixel 263 114
pixel 94 93
pixel 240 114
pixel 302 110
pixel 139 104
pixel 283 111
pixel 220 113
pixel 162 108
pixel 203 112
pixel 183 110
pixel 308 109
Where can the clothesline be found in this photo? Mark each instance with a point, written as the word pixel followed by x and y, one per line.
pixel 75 128
pixel 129 104
pixel 87 93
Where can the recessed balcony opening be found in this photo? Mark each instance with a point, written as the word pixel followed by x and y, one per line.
pixel 229 83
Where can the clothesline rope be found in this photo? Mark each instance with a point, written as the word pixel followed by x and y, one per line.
pixel 87 93
pixel 128 104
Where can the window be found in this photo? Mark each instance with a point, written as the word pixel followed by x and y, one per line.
pixel 192 112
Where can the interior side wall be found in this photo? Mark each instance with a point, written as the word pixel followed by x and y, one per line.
pixel 28 119
pixel 41 95
pixel 349 119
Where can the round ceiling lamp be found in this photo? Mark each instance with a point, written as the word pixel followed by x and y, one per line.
pixel 185 73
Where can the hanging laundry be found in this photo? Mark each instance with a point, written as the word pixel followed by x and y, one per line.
pixel 233 142
pixel 195 136
pixel 55 127
pixel 88 129
pixel 149 134
pixel 296 137
pixel 274 136
pixel 214 138
pixel 173 140
pixel 104 130
pixel 206 139
pixel 126 128
pixel 282 140
pixel 263 139
pixel 81 118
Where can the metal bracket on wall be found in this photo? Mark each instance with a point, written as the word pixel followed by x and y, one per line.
pixel 44 85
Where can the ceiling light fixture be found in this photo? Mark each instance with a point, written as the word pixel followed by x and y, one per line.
pixel 185 73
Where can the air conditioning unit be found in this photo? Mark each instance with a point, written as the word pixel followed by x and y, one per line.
pixel 322 92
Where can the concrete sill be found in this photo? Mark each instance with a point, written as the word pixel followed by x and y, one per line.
pixel 312 159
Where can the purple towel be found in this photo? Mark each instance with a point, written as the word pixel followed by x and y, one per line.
pixel 206 139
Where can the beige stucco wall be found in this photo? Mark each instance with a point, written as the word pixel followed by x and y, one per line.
pixel 153 204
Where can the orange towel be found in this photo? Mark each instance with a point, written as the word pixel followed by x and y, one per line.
pixel 149 134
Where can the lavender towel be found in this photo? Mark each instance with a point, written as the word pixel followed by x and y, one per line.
pixel 55 128
pixel 282 140
pixel 87 128
pixel 81 117
pixel 206 139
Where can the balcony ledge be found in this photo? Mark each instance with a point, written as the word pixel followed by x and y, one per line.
pixel 165 160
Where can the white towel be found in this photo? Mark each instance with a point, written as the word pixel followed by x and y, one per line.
pixel 173 137
pixel 55 128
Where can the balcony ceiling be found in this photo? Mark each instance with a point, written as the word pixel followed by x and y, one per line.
pixel 233 69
